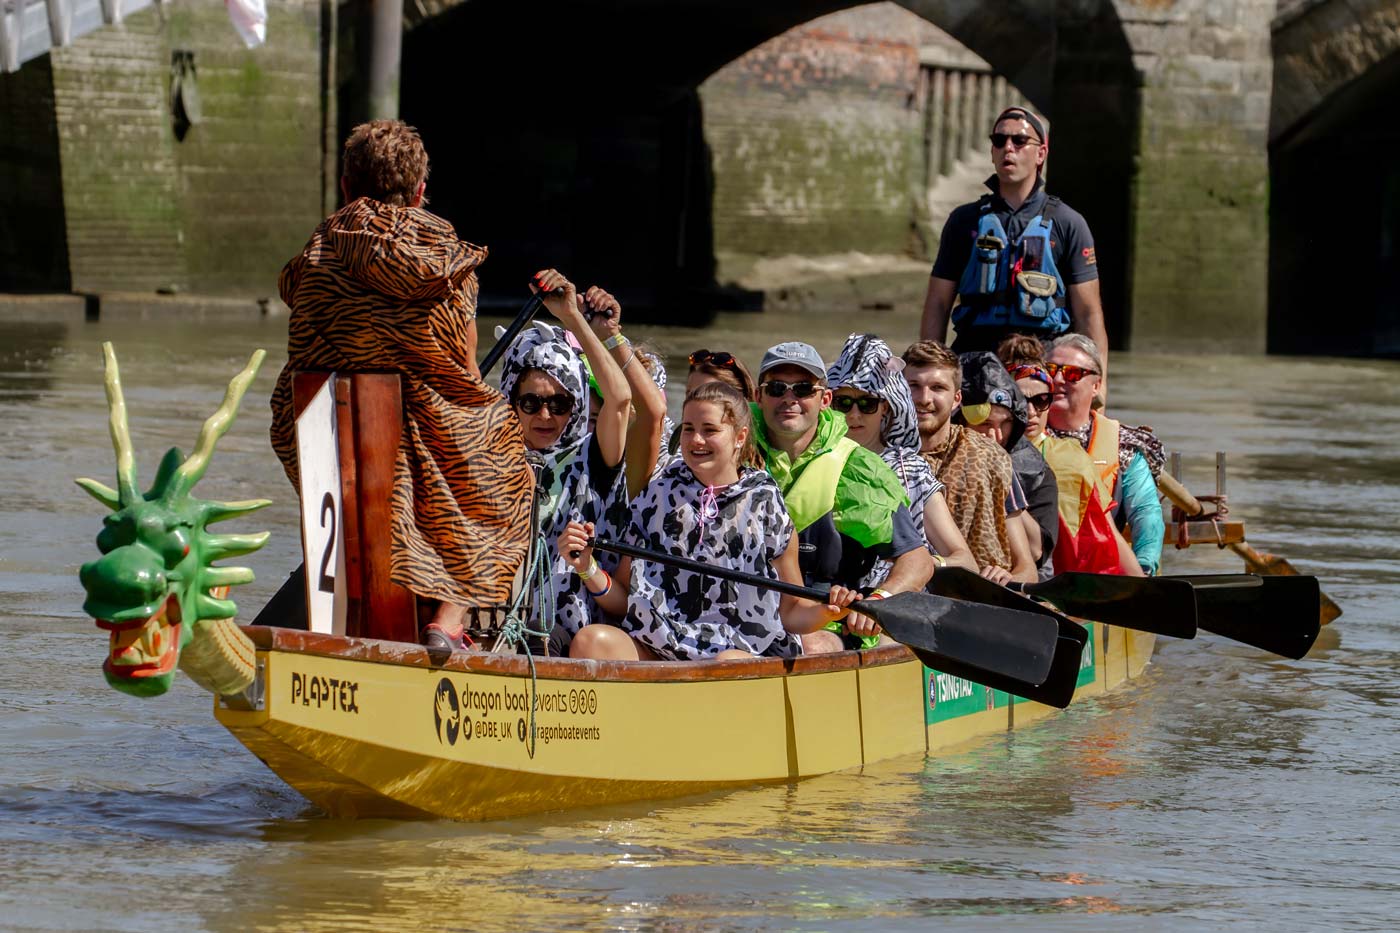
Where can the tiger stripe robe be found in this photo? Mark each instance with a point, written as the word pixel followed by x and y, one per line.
pixel 381 287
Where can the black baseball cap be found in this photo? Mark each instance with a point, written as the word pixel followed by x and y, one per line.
pixel 1021 113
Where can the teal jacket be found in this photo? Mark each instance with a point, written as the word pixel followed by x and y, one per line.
pixel 1138 491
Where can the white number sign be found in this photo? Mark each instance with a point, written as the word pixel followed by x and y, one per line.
pixel 322 534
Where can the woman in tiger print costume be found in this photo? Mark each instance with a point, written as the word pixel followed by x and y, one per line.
pixel 383 284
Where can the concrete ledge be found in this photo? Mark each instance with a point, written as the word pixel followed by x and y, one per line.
pixel 66 308
pixel 135 306
pixel 838 282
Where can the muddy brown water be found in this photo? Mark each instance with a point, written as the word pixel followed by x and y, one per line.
pixel 1226 788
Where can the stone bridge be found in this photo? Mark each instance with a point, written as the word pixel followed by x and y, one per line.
pixel 656 140
pixel 1335 248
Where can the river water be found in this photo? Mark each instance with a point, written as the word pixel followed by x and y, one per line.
pixel 1225 788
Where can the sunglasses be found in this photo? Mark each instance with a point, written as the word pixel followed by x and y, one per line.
pixel 721 359
pixel 1071 372
pixel 776 388
pixel 1040 401
pixel 1019 140
pixel 868 405
pixel 559 404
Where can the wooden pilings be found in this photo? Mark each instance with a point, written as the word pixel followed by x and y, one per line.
pixel 961 96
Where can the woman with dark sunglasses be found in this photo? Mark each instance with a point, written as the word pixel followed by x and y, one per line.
pixel 1127 460
pixel 868 388
pixel 580 476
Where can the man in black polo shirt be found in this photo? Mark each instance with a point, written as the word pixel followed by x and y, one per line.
pixel 1017 260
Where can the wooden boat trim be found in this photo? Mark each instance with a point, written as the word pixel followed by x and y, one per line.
pixel 411 655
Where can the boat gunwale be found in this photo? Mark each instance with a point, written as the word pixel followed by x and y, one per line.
pixel 404 654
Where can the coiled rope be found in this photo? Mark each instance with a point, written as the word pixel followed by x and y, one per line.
pixel 516 631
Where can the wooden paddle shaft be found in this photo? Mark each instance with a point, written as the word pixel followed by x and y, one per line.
pixel 1256 562
pixel 1181 497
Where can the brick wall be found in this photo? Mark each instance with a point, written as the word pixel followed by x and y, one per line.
pixel 251 172
pixel 816 139
pixel 32 256
pixel 218 212
pixel 121 189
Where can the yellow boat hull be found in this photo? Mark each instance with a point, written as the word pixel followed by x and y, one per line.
pixel 365 728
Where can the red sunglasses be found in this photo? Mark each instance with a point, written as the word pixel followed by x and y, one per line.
pixel 1071 373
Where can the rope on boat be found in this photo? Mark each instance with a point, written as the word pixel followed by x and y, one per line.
pixel 516 630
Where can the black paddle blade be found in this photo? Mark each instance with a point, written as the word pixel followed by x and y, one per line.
pixel 1277 614
pixel 1070 637
pixel 1158 605
pixel 968 640
pixel 1212 581
pixel 1058 688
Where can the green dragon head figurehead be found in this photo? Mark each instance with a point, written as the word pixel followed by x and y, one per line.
pixel 154 588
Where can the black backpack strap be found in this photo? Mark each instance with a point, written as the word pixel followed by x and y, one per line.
pixel 1052 204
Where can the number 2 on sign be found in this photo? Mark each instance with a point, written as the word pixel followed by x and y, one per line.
pixel 328 510
pixel 318 460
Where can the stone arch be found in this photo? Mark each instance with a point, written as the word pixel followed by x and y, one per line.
pixel 598 102
pixel 1320 49
pixel 1334 248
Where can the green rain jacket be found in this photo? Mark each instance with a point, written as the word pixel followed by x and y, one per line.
pixel 868 492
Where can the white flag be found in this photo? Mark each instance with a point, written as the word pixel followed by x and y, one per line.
pixel 250 19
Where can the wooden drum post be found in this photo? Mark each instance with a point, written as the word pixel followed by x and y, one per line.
pixel 351 564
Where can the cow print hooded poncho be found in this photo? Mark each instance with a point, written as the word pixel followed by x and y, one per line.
pixel 569 483
pixel 744 526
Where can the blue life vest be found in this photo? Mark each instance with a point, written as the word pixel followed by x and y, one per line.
pixel 1013 284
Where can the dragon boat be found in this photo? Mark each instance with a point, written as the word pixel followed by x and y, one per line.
pixel 328 693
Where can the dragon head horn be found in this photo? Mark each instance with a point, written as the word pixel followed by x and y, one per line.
pixel 126 492
pixel 214 428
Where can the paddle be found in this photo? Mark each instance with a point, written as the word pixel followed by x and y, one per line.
pixel 1278 614
pixel 957 583
pixel 522 318
pixel 1263 564
pixel 1007 649
pixel 1148 604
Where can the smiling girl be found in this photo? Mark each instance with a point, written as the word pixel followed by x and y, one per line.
pixel 710 506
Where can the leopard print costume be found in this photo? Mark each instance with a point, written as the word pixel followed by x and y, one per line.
pixel 978 476
pixel 380 287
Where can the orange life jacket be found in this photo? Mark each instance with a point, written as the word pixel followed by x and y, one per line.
pixel 1103 450
pixel 1085 543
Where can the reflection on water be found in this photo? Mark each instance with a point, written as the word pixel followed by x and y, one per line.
pixel 1225 788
